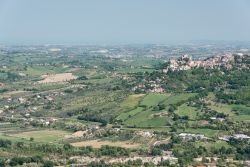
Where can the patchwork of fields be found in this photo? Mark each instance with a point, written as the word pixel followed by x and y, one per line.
pixel 146 116
pixel 143 115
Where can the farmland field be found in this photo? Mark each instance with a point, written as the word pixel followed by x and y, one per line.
pixel 153 99
pixel 217 144
pixel 126 115
pixel 231 110
pixel 177 98
pixel 241 117
pixel 41 135
pixel 226 109
pixel 42 70
pixel 185 110
pixel 131 101
pixel 146 119
pixel 52 78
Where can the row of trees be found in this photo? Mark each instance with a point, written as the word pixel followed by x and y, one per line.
pixel 36 160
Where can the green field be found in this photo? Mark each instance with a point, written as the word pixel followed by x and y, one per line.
pixel 127 115
pixel 148 117
pixel 98 81
pixel 153 99
pixel 217 144
pixel 41 70
pixel 178 98
pixel 141 117
pixel 40 135
pixel 131 101
pixel 241 117
pixel 134 70
pixel 51 86
pixel 237 112
pixel 229 109
pixel 222 108
pixel 7 137
pixel 241 109
pixel 189 111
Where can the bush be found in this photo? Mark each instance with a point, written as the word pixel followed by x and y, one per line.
pixel 5 143
pixel 155 152
pixel 48 164
pixel 2 162
pixel 113 151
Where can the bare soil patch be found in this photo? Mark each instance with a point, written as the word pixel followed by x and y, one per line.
pixel 52 78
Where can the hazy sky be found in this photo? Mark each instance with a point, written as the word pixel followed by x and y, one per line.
pixel 123 21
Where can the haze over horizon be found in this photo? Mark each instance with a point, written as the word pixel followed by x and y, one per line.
pixel 122 22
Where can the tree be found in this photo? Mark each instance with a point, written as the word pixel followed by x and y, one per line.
pixel 2 162
pixel 67 146
pixel 48 164
pixel 20 144
pixel 172 108
pixel 5 143
pixel 155 152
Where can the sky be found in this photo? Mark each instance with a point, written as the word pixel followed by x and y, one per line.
pixel 122 21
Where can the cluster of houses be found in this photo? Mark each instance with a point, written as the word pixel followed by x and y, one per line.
pixel 46 98
pixel 25 115
pixel 47 121
pixel 235 136
pixel 121 76
pixel 83 133
pixel 145 134
pixel 110 160
pixel 151 86
pixel 190 136
pixel 217 119
pixel 186 63
pixel 28 120
pixel 156 88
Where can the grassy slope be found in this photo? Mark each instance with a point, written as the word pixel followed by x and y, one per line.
pixel 153 99
pixel 127 115
pixel 146 118
pixel 131 102
pixel 244 111
pixel 189 111
pixel 177 98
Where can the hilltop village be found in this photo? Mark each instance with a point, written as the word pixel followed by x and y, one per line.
pixel 185 62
